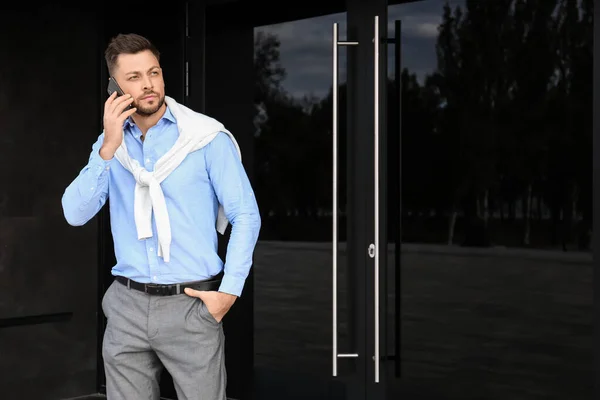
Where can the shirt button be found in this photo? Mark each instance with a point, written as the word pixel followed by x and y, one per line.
pixel 148 160
pixel 91 188
pixel 151 248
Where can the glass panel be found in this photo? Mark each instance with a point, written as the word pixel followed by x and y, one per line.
pixel 496 198
pixel 293 184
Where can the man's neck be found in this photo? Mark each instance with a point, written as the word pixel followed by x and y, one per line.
pixel 144 123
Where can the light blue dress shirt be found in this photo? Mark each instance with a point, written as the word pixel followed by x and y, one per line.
pixel 193 191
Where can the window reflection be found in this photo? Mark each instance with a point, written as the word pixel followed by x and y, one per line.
pixel 496 197
pixel 293 184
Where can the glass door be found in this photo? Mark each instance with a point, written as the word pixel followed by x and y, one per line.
pixel 304 285
pixel 494 103
pixel 320 287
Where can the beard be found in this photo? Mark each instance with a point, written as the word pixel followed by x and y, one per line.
pixel 148 110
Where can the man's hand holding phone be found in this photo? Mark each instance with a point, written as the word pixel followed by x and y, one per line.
pixel 114 117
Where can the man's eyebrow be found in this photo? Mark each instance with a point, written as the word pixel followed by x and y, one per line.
pixel 137 72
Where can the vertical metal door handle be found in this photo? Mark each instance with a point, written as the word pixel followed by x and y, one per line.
pixel 376 145
pixel 335 190
pixel 336 43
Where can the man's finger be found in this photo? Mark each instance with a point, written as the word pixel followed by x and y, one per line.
pixel 109 101
pixel 121 102
pixel 125 114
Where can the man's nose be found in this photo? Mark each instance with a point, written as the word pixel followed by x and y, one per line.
pixel 147 83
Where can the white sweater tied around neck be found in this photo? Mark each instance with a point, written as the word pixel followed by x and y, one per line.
pixel 196 130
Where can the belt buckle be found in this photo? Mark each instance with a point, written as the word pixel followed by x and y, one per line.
pixel 160 290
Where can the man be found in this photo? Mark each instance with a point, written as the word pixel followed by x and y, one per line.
pixel 174 178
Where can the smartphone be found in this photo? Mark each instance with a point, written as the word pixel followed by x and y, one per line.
pixel 113 86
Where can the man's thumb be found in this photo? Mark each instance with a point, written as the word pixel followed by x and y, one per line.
pixel 192 292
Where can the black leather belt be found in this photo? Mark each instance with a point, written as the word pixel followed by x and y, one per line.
pixel 211 284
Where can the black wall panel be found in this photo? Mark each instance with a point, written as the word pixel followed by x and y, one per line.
pixel 48 121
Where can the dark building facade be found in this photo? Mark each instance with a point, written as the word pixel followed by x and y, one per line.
pixel 424 171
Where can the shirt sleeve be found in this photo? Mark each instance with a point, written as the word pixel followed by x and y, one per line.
pixel 88 192
pixel 234 192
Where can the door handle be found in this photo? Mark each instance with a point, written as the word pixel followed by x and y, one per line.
pixel 377 357
pixel 336 43
pixel 398 184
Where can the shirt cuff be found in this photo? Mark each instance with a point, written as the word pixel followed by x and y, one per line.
pixel 96 178
pixel 232 285
pixel 98 161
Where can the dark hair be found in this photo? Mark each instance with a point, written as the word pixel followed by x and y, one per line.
pixel 129 43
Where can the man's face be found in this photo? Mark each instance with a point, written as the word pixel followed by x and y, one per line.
pixel 140 76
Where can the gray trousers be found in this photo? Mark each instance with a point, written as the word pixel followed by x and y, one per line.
pixel 145 333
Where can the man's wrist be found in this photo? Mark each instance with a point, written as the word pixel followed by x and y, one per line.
pixel 233 296
pixel 107 152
